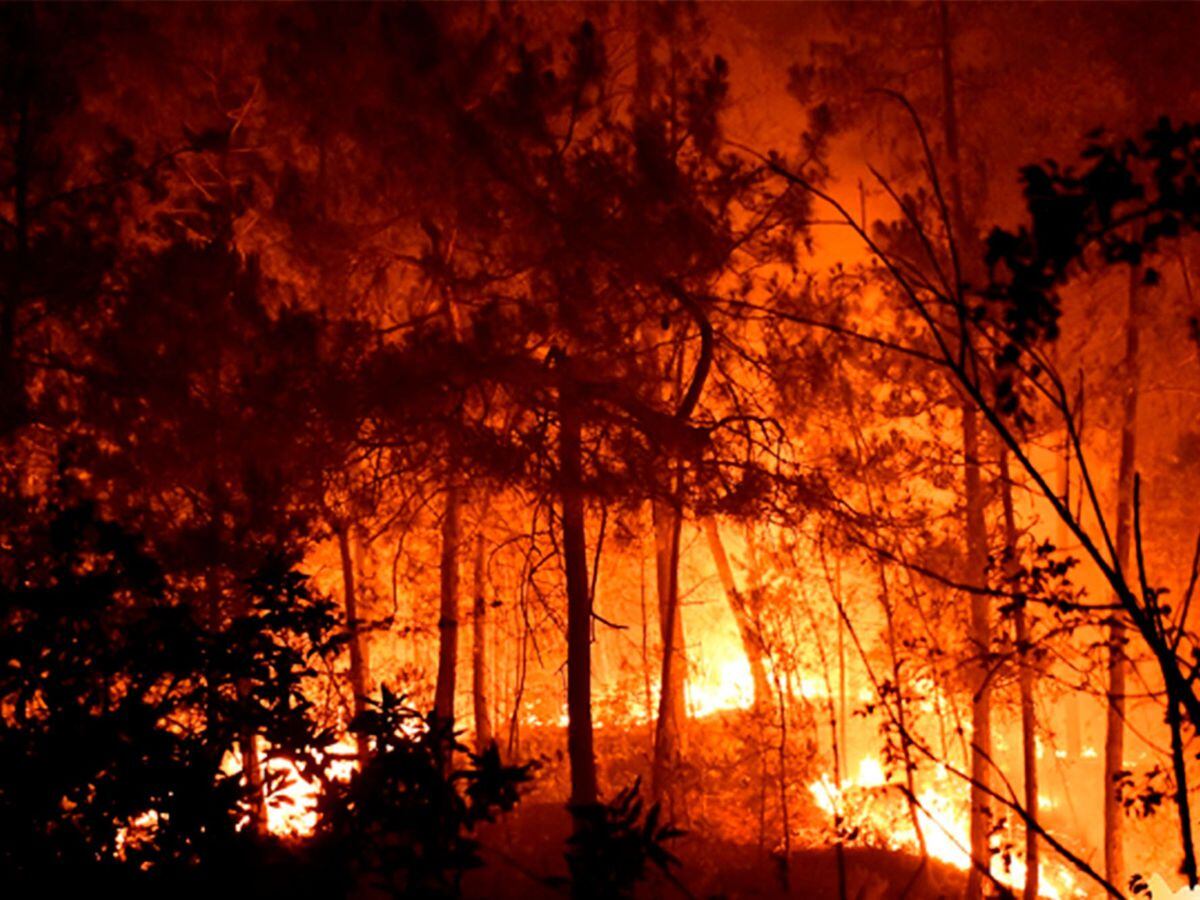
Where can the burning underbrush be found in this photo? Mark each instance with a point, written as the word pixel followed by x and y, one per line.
pixel 761 812
pixel 753 821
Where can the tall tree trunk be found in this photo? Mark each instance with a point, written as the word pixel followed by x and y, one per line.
pixel 665 516
pixel 673 703
pixel 479 660
pixel 580 749
pixel 1114 730
pixel 748 629
pixel 671 709
pixel 443 698
pixel 1062 538
pixel 358 659
pixel 981 706
pixel 976 526
pixel 1025 689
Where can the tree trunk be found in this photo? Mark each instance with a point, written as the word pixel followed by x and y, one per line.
pixel 665 517
pixel 670 716
pixel 246 739
pixel 580 749
pixel 443 702
pixel 358 660
pixel 1114 730
pixel 976 526
pixel 1025 689
pixel 672 703
pixel 748 629
pixel 1062 539
pixel 479 664
pixel 981 705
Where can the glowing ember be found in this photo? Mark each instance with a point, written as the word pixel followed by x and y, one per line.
pixel 139 830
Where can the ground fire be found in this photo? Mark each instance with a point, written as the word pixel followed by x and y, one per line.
pixel 599 450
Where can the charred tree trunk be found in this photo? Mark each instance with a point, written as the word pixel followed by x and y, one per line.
pixel 443 702
pixel 1114 730
pixel 580 749
pixel 1025 689
pixel 358 659
pixel 748 629
pixel 479 660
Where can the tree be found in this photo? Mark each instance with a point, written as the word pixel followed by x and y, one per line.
pixel 125 704
pixel 1074 217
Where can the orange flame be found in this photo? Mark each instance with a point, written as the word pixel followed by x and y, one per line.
pixel 943 817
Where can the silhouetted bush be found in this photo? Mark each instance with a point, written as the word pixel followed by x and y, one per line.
pixel 614 845
pixel 120 698
pixel 403 825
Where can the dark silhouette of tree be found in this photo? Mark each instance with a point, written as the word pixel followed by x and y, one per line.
pixel 123 704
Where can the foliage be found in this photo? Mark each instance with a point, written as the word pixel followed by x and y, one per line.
pixel 1126 199
pixel 120 701
pixel 403 825
pixel 616 843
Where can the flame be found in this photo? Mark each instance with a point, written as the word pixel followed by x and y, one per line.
pixel 724 686
pixel 871 800
pixel 870 773
pixel 292 805
pixel 291 800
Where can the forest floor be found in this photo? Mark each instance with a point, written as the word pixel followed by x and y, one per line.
pixel 526 848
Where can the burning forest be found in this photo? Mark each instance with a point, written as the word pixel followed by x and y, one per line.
pixel 599 450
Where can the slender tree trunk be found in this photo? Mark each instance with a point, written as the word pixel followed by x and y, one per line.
pixel 358 659
pixel 666 566
pixel 1114 731
pixel 672 713
pixel 748 629
pixel 976 526
pixel 672 710
pixel 443 702
pixel 479 660
pixel 1063 538
pixel 1182 802
pixel 580 748
pixel 981 706
pixel 1025 689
